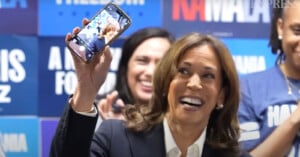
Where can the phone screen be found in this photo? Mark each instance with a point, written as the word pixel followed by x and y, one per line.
pixel 104 27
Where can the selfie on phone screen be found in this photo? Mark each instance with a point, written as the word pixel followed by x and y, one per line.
pixel 104 27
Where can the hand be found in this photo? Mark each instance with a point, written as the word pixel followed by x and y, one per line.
pixel 90 76
pixel 105 107
pixel 295 116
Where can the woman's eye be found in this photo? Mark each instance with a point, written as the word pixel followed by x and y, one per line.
pixel 142 60
pixel 183 71
pixel 296 30
pixel 209 76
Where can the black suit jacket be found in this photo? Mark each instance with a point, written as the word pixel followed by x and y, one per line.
pixel 75 132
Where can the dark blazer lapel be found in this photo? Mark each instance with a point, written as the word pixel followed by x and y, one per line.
pixel 147 144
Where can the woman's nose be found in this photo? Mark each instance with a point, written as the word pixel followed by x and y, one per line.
pixel 150 69
pixel 194 82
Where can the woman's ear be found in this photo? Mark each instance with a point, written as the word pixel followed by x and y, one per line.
pixel 279 27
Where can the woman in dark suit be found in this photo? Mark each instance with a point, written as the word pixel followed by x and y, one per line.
pixel 192 112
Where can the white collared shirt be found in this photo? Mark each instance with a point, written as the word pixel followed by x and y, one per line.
pixel 172 150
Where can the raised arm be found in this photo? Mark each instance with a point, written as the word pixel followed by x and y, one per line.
pixel 279 142
pixel 76 127
pixel 259 135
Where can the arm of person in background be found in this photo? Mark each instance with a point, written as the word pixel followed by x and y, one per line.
pixel 279 142
pixel 109 107
pixel 75 130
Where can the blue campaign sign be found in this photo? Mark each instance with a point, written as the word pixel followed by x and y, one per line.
pixel 18 75
pixel 56 18
pixel 218 17
pixel 250 55
pixel 19 136
pixel 57 78
pixel 18 17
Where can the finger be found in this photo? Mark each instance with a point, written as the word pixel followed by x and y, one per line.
pixel 100 58
pixel 102 105
pixel 102 115
pixel 104 58
pixel 102 109
pixel 120 103
pixel 67 41
pixel 76 30
pixel 69 35
pixel 107 53
pixel 114 94
pixel 85 21
pixel 110 101
pixel 68 38
pixel 78 57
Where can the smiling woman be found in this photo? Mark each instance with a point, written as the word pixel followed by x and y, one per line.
pixel 141 52
pixel 192 111
pixel 196 87
pixel 269 111
pixel 192 88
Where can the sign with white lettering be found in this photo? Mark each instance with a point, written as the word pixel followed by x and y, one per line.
pixel 250 55
pixel 57 78
pixel 222 18
pixel 20 16
pixel 18 75
pixel 19 136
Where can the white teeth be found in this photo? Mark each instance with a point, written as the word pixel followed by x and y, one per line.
pixel 191 100
pixel 146 83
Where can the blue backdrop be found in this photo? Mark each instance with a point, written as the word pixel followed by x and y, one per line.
pixel 18 75
pixel 36 70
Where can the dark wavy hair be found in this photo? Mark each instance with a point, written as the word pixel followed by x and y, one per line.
pixel 128 48
pixel 223 128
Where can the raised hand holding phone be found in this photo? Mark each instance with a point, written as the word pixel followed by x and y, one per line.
pixel 103 28
pixel 90 76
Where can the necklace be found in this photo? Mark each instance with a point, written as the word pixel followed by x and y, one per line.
pixel 289 85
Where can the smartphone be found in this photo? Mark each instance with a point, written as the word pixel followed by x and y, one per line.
pixel 104 27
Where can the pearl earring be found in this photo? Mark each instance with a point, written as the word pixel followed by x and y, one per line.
pixel 219 106
pixel 279 37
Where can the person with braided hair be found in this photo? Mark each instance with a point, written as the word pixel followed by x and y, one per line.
pixel 269 111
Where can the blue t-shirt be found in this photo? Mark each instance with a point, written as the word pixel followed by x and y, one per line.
pixel 265 104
